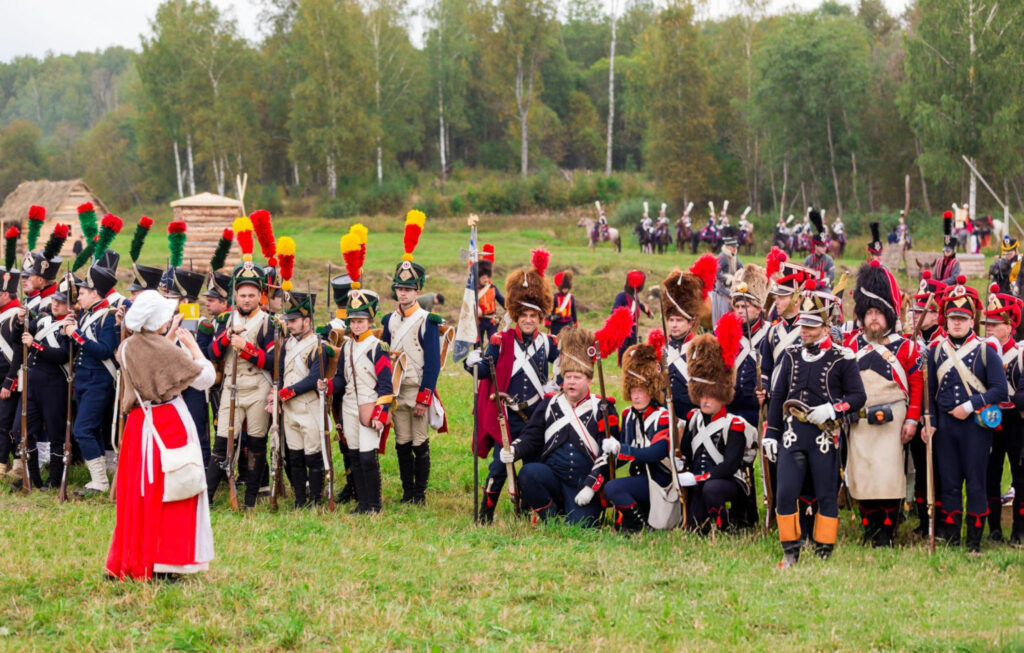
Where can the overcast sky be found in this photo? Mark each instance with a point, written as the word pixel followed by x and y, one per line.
pixel 35 27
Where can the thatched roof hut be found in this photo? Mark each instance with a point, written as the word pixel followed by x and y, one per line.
pixel 206 216
pixel 59 198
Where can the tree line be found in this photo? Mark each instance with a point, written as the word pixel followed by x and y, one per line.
pixel 833 107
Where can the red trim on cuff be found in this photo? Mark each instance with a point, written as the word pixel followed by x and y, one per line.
pixel 841 407
pixel 286 394
pixel 37 346
pixel 598 483
pixel 77 337
pixel 424 396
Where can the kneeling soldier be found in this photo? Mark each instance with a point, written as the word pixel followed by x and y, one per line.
pixel 566 468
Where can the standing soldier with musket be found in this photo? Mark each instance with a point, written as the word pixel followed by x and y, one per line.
pixel 519 358
pixel 564 306
pixel 947 266
pixel 925 312
pixel 246 343
pixel 966 384
pixel 561 444
pixel 11 362
pixel 47 367
pixel 749 292
pixel 819 260
pixel 728 265
pixel 362 384
pixel 413 332
pixel 890 370
pixel 335 332
pixel 684 303
pixel 630 298
pixel 814 388
pixel 1002 317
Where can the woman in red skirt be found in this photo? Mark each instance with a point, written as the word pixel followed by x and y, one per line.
pixel 163 519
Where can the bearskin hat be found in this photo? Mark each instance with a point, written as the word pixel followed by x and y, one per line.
pixel 819 226
pixel 875 246
pixel 751 284
pixel 712 360
pixel 685 293
pixel 529 289
pixel 576 351
pixel 641 367
pixel 563 280
pixel 877 288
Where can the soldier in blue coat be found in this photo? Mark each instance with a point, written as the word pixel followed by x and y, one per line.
pixel 815 387
pixel 96 335
pixel 561 445
pixel 966 383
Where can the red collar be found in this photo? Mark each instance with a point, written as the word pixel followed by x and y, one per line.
pixel 720 413
pixel 1008 345
pixel 98 306
pixel 49 290
pixel 11 304
pixel 519 335
pixel 32 293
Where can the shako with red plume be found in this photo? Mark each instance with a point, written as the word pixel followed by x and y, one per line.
pixel 614 332
pixel 264 228
pixel 360 302
pixel 246 272
pixel 712 360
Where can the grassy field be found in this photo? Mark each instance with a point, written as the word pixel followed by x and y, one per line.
pixel 427 579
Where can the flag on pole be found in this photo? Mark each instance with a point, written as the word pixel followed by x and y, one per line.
pixel 466 331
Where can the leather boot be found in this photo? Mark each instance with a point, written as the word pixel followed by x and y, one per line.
pixel 886 535
pixel 56 468
pixel 348 492
pixel 358 481
pixel 922 516
pixel 947 528
pixel 995 517
pixel 33 469
pixel 790 554
pixel 214 475
pixel 630 520
pixel 489 502
pixel 975 529
pixel 407 470
pixel 422 470
pixel 719 517
pixel 1017 534
pixel 315 465
pixel 255 464
pixel 807 510
pixel 371 477
pixel 297 465
pixel 98 484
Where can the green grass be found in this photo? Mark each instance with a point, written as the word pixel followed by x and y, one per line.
pixel 427 579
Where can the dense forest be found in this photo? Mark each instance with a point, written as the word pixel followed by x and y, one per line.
pixel 550 103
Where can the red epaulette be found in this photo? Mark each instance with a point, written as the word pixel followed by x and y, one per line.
pixel 496 339
pixel 737 424
pixel 549 395
pixel 554 338
pixel 690 414
pixel 934 343
pixel 610 399
pixel 993 345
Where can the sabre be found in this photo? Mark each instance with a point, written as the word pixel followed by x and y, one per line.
pixel 276 448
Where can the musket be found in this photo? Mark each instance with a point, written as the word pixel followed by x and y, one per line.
pixel 229 461
pixel 325 450
pixel 766 479
pixel 62 495
pixel 121 416
pixel 673 428
pixel 277 444
pixel 929 478
pixel 506 440
pixel 26 482
pixel 474 282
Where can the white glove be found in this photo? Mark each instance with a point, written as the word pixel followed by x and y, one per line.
pixel 474 357
pixel 584 496
pixel 687 479
pixel 611 446
pixel 680 465
pixel 507 456
pixel 821 414
pixel 771 449
pixel 550 387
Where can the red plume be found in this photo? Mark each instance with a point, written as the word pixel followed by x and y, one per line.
pixel 926 274
pixel 228 234
pixel 994 288
pixel 616 329
pixel 706 268
pixel 656 339
pixel 635 279
pixel 13 232
pixel 540 259
pixel 61 230
pixel 177 227
pixel 36 213
pixel 265 235
pixel 112 222
pixel 488 252
pixel 773 262
pixel 82 208
pixel 948 215
pixel 810 285
pixel 729 332
pixel 146 222
pixel 558 278
pixel 354 263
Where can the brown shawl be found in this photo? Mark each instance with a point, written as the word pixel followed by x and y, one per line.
pixel 155 367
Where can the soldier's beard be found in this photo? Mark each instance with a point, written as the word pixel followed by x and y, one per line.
pixel 875 334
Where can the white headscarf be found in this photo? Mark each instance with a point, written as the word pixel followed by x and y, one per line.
pixel 150 311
